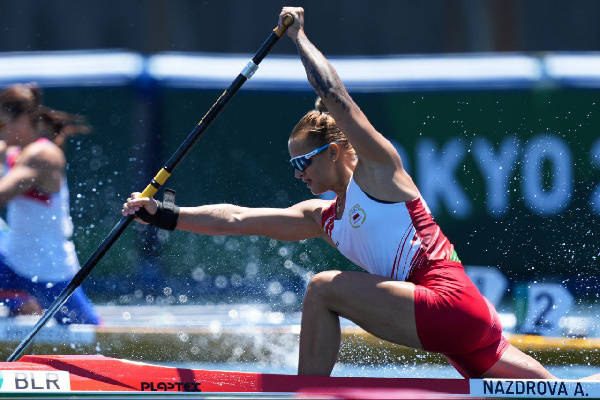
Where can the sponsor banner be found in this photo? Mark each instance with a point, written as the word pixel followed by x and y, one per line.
pixel 534 388
pixel 34 381
pixel 168 386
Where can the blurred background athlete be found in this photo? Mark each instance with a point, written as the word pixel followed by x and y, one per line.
pixel 37 258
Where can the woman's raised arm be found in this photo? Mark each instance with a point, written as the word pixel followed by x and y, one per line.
pixel 369 144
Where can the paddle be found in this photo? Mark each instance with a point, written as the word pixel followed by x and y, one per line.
pixel 157 182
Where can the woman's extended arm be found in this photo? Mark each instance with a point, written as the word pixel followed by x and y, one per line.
pixel 300 221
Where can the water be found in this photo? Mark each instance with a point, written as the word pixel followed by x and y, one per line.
pixel 282 357
pixel 274 356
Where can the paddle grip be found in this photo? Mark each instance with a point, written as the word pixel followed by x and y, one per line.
pixel 288 20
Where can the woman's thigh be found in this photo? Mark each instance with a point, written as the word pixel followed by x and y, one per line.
pixel 383 307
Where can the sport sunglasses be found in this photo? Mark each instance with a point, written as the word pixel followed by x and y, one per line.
pixel 302 162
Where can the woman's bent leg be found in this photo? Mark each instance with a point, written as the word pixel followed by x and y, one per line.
pixel 320 335
pixel 514 364
pixel 382 307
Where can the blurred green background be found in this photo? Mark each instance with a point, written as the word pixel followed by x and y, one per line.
pixel 542 226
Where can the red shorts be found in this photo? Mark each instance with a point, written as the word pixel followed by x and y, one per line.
pixel 454 319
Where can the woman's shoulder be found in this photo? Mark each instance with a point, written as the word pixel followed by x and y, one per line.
pixel 314 208
pixel 315 205
pixel 43 152
pixel 318 211
pixel 393 185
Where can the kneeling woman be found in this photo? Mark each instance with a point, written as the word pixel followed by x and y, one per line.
pixel 417 293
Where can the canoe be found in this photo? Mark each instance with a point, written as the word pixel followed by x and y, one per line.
pixel 105 374
pixel 98 376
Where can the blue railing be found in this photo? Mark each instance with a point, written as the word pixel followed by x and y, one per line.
pixel 212 71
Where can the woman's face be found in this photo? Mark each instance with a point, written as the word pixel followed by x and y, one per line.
pixel 15 130
pixel 317 174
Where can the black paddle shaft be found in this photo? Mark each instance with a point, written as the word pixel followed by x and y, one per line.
pixel 156 183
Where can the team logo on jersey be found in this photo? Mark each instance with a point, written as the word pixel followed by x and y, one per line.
pixel 357 216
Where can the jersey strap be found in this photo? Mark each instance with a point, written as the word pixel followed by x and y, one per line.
pixel 434 243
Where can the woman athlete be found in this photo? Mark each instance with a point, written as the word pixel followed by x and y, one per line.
pixel 37 255
pixel 417 293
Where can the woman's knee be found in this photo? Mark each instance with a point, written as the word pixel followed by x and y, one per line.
pixel 323 279
pixel 320 286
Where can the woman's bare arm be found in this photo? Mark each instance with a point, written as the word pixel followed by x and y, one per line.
pixel 369 144
pixel 379 170
pixel 300 221
pixel 39 166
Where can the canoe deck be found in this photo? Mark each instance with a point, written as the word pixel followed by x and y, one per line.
pixel 52 374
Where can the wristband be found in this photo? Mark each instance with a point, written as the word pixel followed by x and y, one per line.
pixel 166 214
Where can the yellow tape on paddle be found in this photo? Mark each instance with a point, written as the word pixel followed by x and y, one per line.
pixel 160 178
pixel 288 20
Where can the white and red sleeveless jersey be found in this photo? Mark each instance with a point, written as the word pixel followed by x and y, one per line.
pixel 387 239
pixel 37 245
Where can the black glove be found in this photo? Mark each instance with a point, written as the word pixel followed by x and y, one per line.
pixel 166 215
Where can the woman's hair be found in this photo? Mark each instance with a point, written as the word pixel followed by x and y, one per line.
pixel 55 125
pixel 319 128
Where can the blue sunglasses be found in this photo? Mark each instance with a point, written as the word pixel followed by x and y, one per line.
pixel 302 162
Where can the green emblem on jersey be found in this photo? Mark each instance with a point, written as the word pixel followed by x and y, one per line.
pixel 454 256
